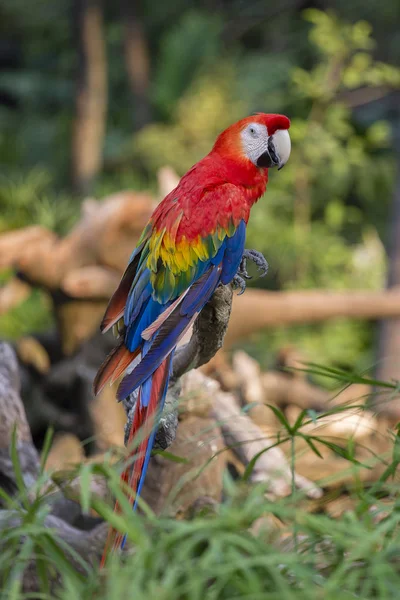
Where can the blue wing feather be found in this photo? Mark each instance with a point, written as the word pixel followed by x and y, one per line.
pixel 149 313
pixel 233 253
pixel 139 293
pixel 166 338
pixel 142 309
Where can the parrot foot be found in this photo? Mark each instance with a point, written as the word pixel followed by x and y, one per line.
pixel 239 283
pixel 257 258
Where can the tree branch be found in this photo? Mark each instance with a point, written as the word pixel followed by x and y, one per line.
pixel 207 335
pixel 238 430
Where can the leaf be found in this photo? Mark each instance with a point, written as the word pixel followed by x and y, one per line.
pixel 10 501
pixel 299 421
pixel 42 574
pixel 308 440
pixel 170 456
pixel 17 468
pixel 12 590
pixel 85 492
pixel 52 546
pixel 346 376
pixel 343 452
pixel 281 417
pixel 46 448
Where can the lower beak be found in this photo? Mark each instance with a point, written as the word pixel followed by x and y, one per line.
pixel 267 161
pixel 270 157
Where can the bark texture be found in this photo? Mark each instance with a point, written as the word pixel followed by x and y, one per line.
pixel 91 94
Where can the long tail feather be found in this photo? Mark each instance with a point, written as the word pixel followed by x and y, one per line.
pixel 116 306
pixel 114 365
pixel 149 405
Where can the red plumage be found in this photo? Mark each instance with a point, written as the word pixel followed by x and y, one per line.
pixel 225 164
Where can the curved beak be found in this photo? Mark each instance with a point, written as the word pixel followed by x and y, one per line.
pixel 277 152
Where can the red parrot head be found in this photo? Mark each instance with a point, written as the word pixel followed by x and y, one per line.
pixel 262 140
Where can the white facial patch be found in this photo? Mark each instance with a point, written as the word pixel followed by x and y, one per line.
pixel 254 141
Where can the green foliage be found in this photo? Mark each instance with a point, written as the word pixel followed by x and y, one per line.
pixel 342 341
pixel 314 224
pixel 200 115
pixel 330 159
pixel 231 553
pixel 31 316
pixel 26 201
pixel 348 63
pixel 198 34
pixel 25 534
pixel 30 200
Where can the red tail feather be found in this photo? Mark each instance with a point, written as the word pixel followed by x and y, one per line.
pixel 115 364
pixel 126 359
pixel 144 422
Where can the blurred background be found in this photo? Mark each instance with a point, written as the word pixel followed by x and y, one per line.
pixel 103 106
pixel 96 97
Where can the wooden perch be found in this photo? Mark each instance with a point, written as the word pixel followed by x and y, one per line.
pixel 237 429
pixel 12 414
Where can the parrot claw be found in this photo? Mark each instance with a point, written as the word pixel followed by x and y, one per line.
pixel 239 284
pixel 257 258
pixel 242 270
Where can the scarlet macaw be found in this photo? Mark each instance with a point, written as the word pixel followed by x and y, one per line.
pixel 193 242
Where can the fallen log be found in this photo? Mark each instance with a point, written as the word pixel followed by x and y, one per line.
pixel 260 309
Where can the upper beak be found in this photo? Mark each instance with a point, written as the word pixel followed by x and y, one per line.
pixel 278 150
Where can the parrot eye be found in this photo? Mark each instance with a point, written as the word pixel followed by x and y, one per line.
pixel 252 131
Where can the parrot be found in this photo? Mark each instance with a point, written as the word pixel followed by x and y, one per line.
pixel 193 242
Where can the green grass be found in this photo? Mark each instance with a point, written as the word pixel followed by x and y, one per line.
pixel 221 555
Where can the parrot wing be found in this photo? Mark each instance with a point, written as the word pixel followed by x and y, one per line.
pixel 179 261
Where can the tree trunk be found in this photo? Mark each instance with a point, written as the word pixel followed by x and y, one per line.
pixel 137 62
pixel 91 95
pixel 389 334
